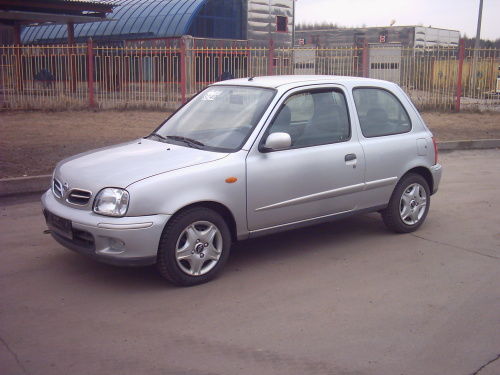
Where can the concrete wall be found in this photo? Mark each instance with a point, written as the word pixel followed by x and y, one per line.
pixel 408 36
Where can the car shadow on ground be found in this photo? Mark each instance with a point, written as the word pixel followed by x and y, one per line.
pixel 323 239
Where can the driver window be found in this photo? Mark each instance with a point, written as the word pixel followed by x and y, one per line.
pixel 313 118
pixel 293 115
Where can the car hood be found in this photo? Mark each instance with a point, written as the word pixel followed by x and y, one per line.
pixel 124 164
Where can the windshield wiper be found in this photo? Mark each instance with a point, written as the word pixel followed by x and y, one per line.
pixel 159 136
pixel 188 141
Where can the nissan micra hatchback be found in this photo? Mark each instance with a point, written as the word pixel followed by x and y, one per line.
pixel 245 158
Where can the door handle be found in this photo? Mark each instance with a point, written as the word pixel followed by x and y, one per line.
pixel 350 157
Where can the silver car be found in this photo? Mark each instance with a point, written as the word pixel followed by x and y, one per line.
pixel 245 158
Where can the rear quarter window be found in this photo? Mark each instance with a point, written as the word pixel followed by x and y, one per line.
pixel 380 112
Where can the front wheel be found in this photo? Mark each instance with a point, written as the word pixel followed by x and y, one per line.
pixel 194 247
pixel 409 204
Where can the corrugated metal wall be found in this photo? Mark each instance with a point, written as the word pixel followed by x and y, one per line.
pixel 262 22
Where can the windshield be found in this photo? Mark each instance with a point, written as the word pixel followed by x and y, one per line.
pixel 220 118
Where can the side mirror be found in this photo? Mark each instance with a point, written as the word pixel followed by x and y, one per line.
pixel 278 141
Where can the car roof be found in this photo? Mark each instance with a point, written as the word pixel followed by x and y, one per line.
pixel 299 80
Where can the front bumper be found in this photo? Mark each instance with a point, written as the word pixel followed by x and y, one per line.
pixel 124 241
pixel 436 171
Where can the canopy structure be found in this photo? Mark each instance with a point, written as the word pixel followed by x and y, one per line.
pixel 65 14
pixel 144 19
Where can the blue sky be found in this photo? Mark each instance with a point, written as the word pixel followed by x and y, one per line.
pixel 447 14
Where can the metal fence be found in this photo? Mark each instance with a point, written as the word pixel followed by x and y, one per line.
pixel 79 76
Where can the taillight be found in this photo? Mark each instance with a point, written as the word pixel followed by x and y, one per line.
pixel 435 150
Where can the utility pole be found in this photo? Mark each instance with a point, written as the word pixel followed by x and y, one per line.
pixel 478 32
pixel 270 18
pixel 476 47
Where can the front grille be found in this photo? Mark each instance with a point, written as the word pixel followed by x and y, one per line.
pixel 83 239
pixel 57 188
pixel 79 241
pixel 80 197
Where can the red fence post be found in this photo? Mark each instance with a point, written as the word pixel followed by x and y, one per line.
pixel 364 60
pixel 461 54
pixel 90 72
pixel 248 66
pixel 183 69
pixel 19 68
pixel 270 62
pixel 72 54
pixel 220 67
pixel 18 59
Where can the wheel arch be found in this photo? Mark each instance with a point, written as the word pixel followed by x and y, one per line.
pixel 221 209
pixel 425 173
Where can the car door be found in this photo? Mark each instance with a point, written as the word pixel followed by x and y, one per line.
pixel 321 174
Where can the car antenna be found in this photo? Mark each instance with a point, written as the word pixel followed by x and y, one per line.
pixel 251 78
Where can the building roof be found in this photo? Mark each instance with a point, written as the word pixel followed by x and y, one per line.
pixel 131 18
pixel 54 11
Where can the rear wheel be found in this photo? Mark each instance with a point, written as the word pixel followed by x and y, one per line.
pixel 409 204
pixel 194 247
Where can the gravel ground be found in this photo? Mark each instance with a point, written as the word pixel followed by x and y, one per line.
pixel 33 142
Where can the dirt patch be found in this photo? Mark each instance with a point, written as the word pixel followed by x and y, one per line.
pixel 31 143
pixel 463 126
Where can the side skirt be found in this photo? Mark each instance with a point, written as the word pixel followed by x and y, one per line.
pixel 313 221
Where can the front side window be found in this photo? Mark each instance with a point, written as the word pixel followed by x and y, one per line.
pixel 313 118
pixel 380 113
pixel 220 118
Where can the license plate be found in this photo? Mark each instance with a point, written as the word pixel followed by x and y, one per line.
pixel 59 224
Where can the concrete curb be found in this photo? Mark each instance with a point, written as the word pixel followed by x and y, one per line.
pixel 23 185
pixel 38 184
pixel 478 144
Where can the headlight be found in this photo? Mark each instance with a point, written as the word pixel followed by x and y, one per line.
pixel 111 202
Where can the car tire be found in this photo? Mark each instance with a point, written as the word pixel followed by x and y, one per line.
pixel 409 204
pixel 194 247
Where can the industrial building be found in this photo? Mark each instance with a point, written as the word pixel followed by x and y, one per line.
pixel 385 47
pixel 256 21
pixel 406 36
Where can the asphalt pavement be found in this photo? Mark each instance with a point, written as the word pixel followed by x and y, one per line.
pixel 347 297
